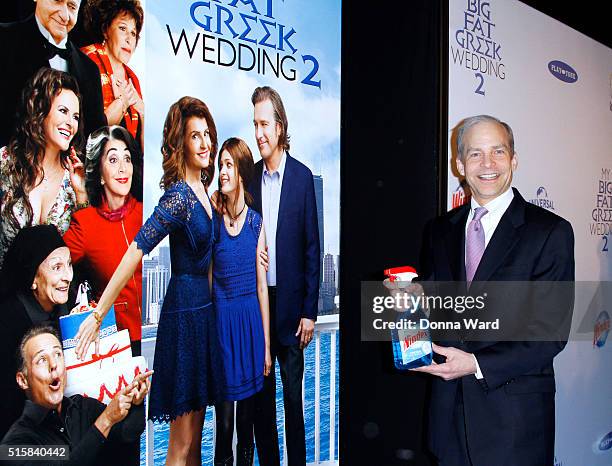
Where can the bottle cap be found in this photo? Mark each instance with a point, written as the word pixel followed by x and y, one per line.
pixel 402 274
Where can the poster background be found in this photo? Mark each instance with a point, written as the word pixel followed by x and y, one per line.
pixel 173 71
pixel 563 136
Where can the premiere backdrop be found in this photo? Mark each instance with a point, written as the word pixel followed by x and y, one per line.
pixel 220 52
pixel 553 86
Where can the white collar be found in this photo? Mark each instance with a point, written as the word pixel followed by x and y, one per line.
pixel 47 35
pixel 280 170
pixel 497 205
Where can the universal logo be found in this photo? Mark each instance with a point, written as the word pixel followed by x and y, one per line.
pixel 606 442
pixel 542 199
pixel 563 71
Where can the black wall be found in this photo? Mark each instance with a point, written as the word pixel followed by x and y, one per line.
pixel 391 127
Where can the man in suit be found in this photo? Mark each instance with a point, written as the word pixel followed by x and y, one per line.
pixel 42 41
pixel 283 192
pixel 492 402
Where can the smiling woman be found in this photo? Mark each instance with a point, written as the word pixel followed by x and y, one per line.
pixel 100 234
pixel 37 273
pixel 41 177
pixel 187 362
pixel 116 27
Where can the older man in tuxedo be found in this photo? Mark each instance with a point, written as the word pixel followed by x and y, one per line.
pixel 493 401
pixel 42 41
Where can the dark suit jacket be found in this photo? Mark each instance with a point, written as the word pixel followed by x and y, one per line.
pixel 22 54
pixel 14 323
pixel 297 248
pixel 509 417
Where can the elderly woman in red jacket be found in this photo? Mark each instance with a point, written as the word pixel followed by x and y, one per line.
pixel 116 27
pixel 100 234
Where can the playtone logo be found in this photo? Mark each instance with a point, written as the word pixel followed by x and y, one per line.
pixel 563 71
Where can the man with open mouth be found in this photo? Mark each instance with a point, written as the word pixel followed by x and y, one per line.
pixel 86 429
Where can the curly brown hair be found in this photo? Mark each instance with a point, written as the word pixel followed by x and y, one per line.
pixel 173 143
pixel 27 147
pixel 244 168
pixel 99 14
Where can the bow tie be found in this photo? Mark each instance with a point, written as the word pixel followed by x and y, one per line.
pixel 53 51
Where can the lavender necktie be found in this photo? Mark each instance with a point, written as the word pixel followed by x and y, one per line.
pixel 474 243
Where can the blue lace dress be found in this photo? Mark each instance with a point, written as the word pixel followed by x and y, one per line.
pixel 239 318
pixel 188 369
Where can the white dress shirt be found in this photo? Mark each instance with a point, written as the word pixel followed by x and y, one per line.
pixel 271 184
pixel 495 210
pixel 57 62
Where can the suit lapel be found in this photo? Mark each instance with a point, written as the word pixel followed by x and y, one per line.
pixel 285 190
pixel 503 240
pixel 256 187
pixel 455 244
pixel 74 64
pixel 34 52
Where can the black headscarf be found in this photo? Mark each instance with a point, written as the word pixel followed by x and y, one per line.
pixel 28 250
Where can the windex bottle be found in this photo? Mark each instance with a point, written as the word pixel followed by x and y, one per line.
pixel 410 338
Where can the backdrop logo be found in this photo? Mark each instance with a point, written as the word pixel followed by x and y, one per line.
pixel 542 199
pixel 602 212
pixel 563 71
pixel 558 462
pixel 606 442
pixel 601 330
pixel 475 46
pixel 460 197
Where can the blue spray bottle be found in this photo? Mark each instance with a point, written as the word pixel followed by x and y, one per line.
pixel 411 339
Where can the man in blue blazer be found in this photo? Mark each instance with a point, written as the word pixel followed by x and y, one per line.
pixel 42 41
pixel 283 193
pixel 493 402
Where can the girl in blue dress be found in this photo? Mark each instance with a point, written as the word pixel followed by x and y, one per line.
pixel 188 364
pixel 240 294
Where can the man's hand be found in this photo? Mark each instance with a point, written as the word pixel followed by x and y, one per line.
pixel 116 411
pixel 403 288
pixel 264 260
pixel 141 386
pixel 458 363
pixel 305 331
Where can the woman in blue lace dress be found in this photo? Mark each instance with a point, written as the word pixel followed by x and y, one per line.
pixel 188 364
pixel 240 294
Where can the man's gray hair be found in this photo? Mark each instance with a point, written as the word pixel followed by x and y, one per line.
pixel 473 121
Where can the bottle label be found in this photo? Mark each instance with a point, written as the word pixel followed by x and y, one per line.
pixel 413 345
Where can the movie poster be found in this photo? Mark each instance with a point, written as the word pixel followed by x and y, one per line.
pixel 219 52
pixel 148 56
